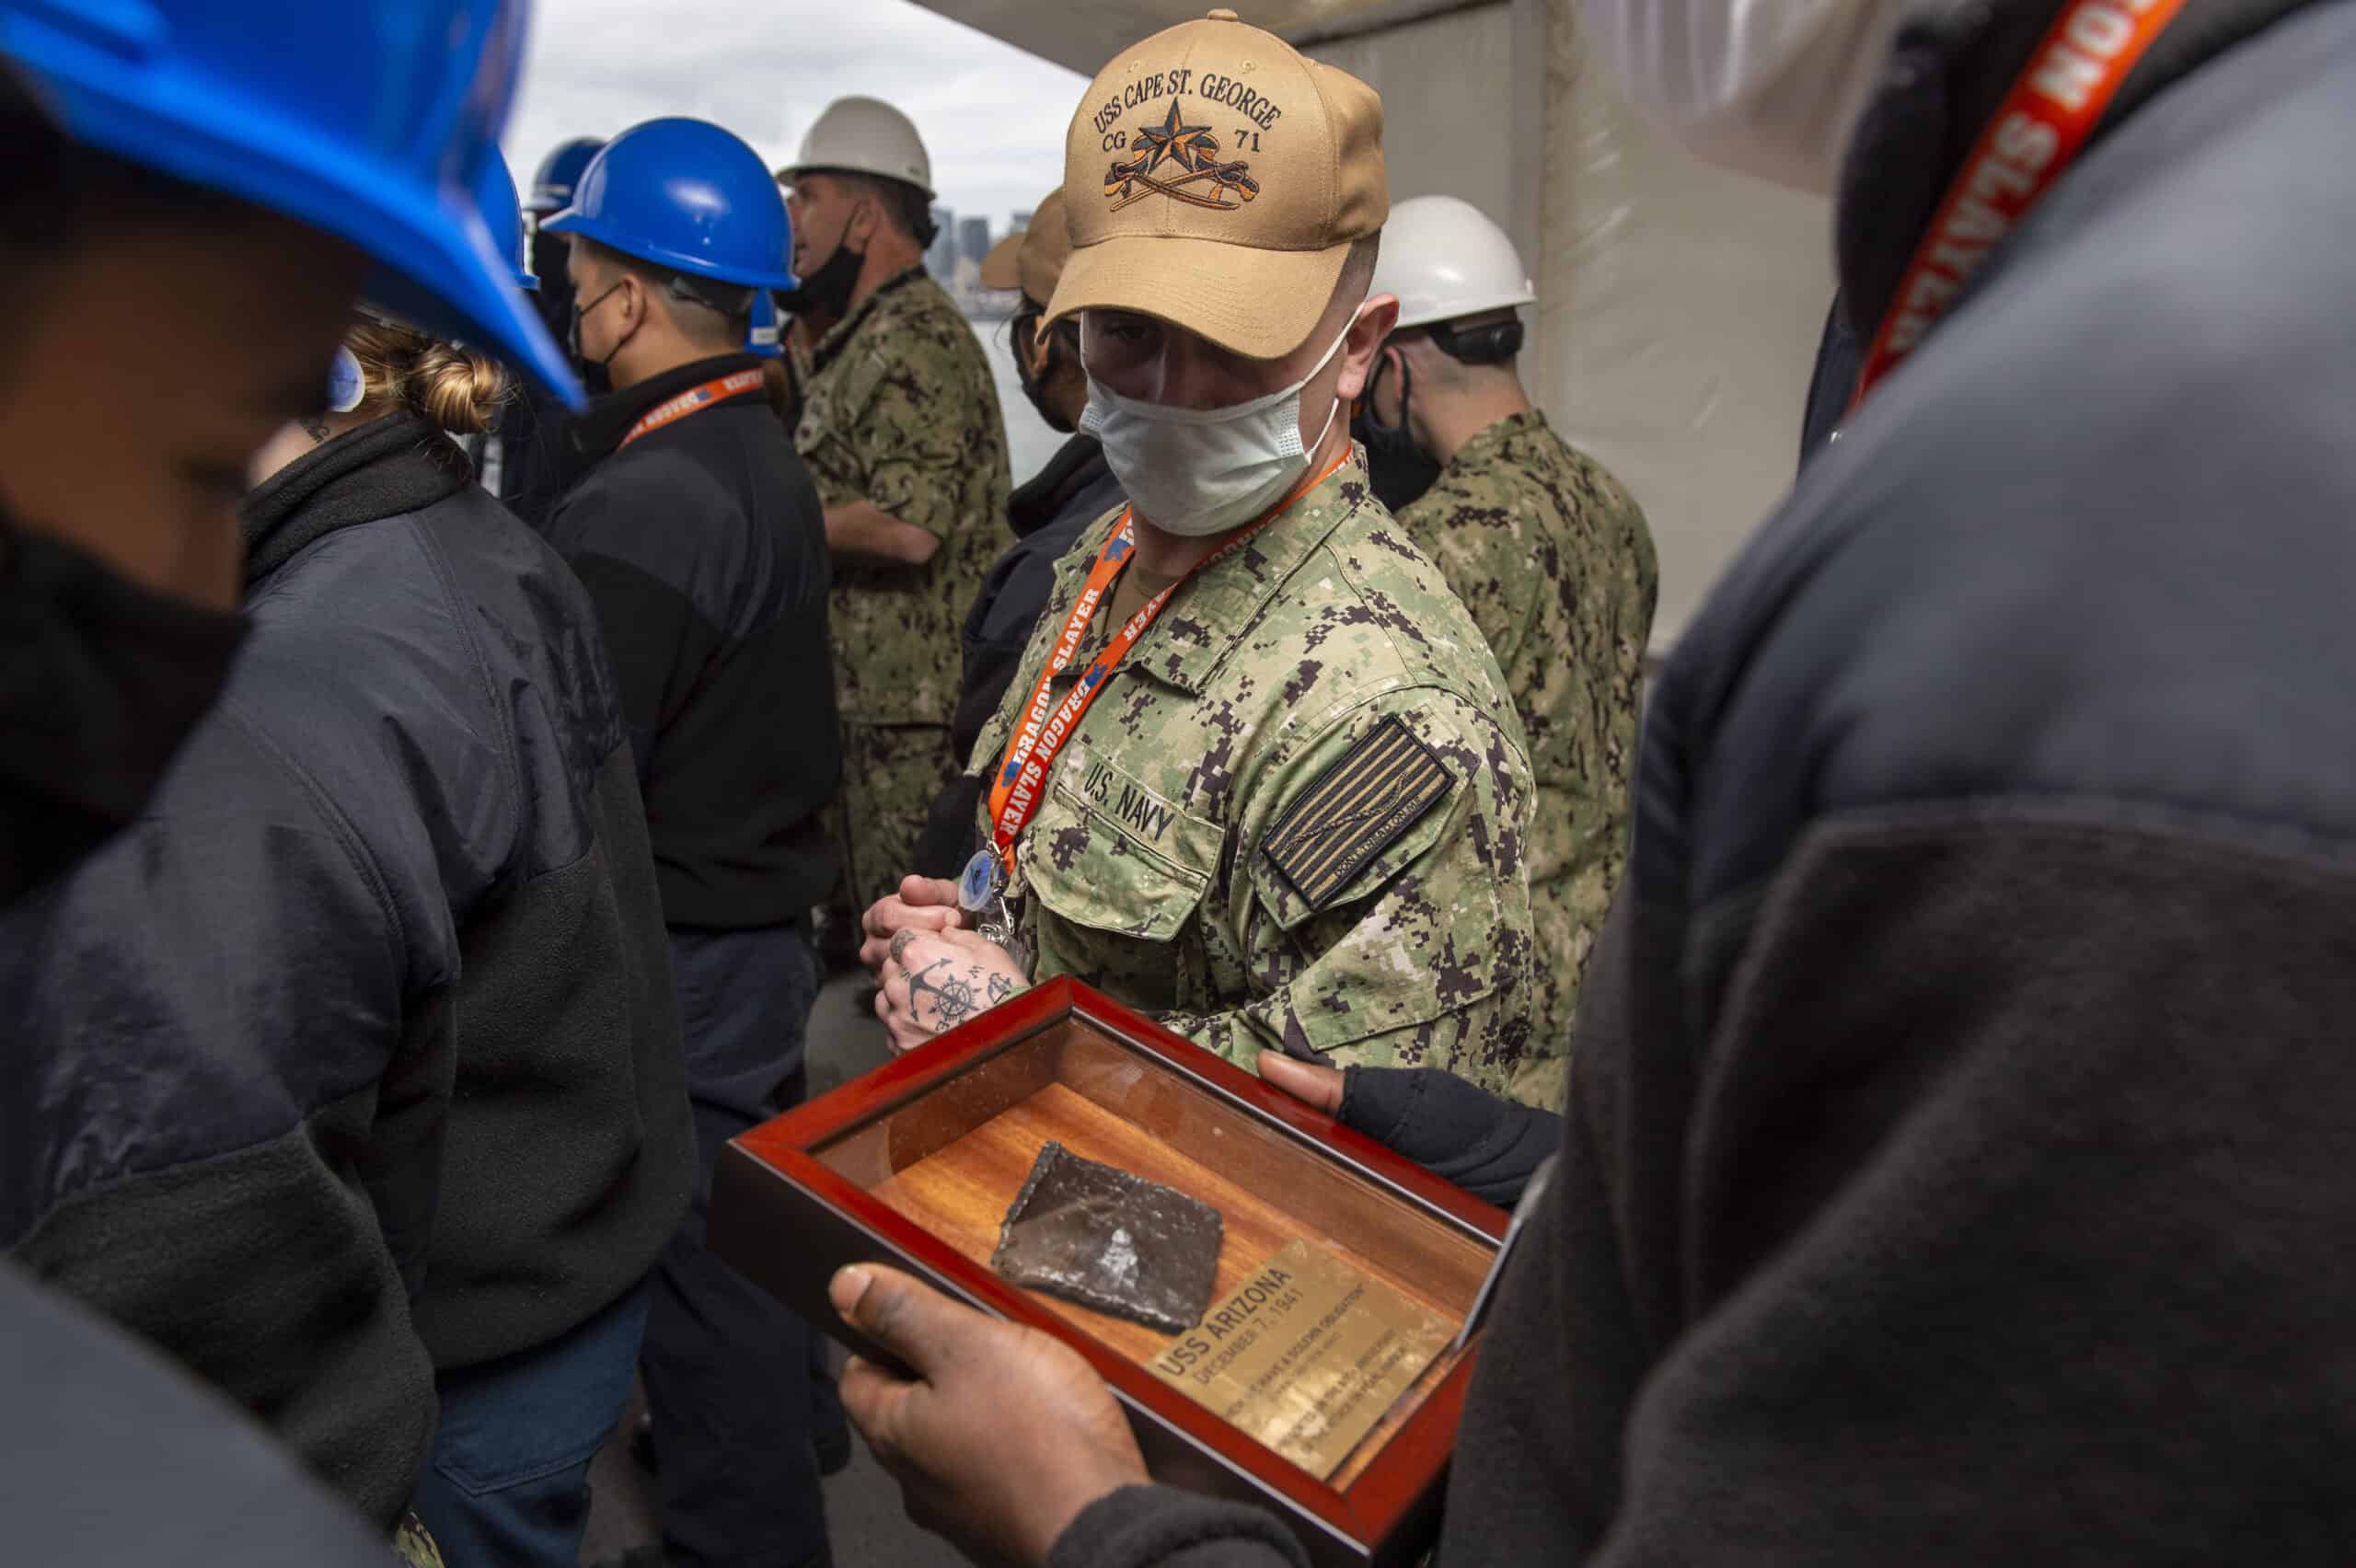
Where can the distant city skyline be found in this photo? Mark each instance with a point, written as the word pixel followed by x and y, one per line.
pixel 960 240
pixel 974 239
pixel 940 257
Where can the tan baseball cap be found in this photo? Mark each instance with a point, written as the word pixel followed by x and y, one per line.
pixel 1217 180
pixel 1034 259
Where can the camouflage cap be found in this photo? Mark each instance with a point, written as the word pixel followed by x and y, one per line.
pixel 1217 180
pixel 1034 259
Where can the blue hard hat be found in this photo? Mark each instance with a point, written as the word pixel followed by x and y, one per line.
pixel 365 118
pixel 495 194
pixel 762 339
pixel 559 172
pixel 687 195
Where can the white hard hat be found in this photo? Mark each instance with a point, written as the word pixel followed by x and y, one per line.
pixel 1446 261
pixel 864 135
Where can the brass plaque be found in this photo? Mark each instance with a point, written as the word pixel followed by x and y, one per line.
pixel 1307 1357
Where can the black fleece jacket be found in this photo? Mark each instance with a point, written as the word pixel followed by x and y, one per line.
pixel 705 549
pixel 375 999
pixel 118 1458
pixel 1957 1166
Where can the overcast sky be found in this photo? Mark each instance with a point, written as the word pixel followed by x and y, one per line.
pixel 991 116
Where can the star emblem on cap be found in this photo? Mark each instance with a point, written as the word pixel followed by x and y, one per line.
pixel 1189 146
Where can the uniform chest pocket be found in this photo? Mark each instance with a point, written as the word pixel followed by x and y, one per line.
pixel 1106 853
pixel 1120 876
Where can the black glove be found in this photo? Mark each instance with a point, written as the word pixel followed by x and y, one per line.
pixel 1487 1145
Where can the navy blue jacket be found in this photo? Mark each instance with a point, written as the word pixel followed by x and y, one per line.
pixel 375 999
pixel 132 1461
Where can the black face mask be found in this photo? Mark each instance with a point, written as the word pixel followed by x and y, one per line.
pixel 100 681
pixel 597 375
pixel 1035 388
pixel 1396 466
pixel 827 290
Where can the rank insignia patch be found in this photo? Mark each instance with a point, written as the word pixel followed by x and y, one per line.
pixel 1356 810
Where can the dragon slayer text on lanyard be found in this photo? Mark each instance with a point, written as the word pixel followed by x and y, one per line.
pixel 2036 134
pixel 1021 781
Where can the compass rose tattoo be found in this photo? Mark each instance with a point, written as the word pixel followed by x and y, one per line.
pixel 953 995
pixel 944 989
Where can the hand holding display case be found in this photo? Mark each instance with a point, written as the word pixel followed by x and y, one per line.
pixel 1321 1380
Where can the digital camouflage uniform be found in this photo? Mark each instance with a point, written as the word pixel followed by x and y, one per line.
pixel 1191 857
pixel 1554 561
pixel 899 409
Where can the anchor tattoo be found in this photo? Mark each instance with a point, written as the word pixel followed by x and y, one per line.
pixel 953 999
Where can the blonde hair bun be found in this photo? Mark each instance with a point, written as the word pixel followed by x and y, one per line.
pixel 455 387
pixel 458 388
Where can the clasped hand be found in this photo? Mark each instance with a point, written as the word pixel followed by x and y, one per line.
pixel 932 972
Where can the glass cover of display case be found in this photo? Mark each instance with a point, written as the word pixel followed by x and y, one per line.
pixel 1278 1300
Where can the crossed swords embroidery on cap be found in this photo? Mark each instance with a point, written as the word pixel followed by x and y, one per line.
pixel 1194 149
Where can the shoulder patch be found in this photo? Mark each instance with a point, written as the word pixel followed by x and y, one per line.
pixel 1357 809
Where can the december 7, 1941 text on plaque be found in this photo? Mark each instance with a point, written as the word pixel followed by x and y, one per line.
pixel 1307 1355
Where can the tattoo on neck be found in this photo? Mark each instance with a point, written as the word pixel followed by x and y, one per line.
pixel 315 427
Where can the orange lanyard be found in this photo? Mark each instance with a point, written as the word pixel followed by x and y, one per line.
pixel 735 384
pixel 2037 132
pixel 1041 733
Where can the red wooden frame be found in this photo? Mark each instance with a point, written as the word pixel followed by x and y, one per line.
pixel 1386 1515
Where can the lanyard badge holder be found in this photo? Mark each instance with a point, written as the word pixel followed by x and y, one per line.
pixel 1021 777
pixel 981 892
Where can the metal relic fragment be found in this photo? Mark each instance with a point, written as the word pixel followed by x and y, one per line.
pixel 1111 1240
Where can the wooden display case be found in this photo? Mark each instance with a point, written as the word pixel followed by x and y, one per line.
pixel 914 1164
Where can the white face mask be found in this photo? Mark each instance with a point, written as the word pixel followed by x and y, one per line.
pixel 1768 88
pixel 1198 471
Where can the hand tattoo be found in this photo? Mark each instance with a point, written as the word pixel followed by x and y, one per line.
pixel 900 940
pixel 1001 987
pixel 953 1000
